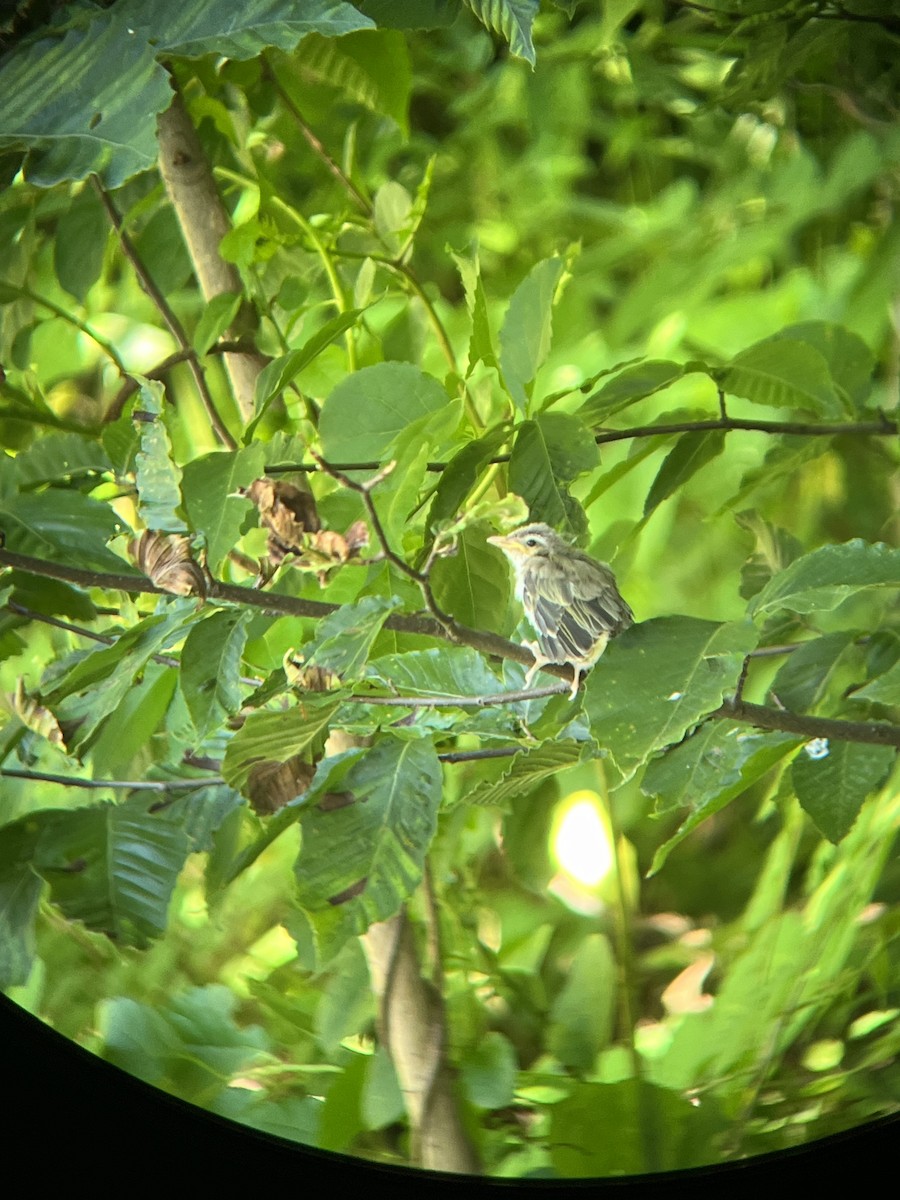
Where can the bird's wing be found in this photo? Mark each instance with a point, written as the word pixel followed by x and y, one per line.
pixel 573 609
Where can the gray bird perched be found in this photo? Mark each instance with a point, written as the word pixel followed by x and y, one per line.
pixel 570 599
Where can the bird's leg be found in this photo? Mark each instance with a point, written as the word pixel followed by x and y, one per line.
pixel 540 660
pixel 576 680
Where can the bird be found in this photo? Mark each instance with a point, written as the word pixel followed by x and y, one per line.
pixel 571 600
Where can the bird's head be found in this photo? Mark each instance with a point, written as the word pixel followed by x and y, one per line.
pixel 529 541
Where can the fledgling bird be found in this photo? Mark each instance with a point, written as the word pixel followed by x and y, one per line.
pixel 570 599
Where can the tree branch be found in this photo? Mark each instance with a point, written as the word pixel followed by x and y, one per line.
pixel 204 222
pixel 884 427
pixel 171 322
pixel 486 643
pixel 874 733
pixel 152 785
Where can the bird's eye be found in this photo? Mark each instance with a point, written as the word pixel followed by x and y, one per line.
pixel 531 541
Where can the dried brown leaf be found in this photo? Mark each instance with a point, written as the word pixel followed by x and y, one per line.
pixel 165 558
pixel 271 785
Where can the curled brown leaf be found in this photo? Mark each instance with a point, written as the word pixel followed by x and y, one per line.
pixel 165 558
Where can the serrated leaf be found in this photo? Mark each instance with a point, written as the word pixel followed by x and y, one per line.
pixel 528 769
pixel 446 672
pixel 823 579
pixel 59 456
pixel 367 410
pixel 276 375
pixel 365 856
pixel 461 474
pixel 157 475
pixel 527 329
pixel 542 464
pixel 656 680
pixel 832 779
pixel 20 894
pixel 472 583
pixel 208 484
pixel 850 361
pixel 204 27
pixel 114 867
pixel 783 373
pixel 690 453
pixel 343 639
pixel 64 527
pixel 210 665
pixel 274 737
pixel 513 19
pixel 707 771
pixel 481 342
pixel 633 384
pixel 96 685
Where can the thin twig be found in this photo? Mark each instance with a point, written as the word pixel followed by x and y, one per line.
pixel 106 346
pixel 165 311
pixel 152 785
pixel 458 756
pixel 525 694
pixel 420 577
pixel 884 427
pixel 873 733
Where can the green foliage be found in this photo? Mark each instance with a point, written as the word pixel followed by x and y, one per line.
pixel 678 231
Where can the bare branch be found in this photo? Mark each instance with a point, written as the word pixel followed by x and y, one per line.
pixel 152 785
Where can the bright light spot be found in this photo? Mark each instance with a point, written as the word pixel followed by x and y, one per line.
pixel 581 840
pixel 675 696
pixel 817 748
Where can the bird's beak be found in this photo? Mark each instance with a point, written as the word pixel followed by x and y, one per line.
pixel 498 540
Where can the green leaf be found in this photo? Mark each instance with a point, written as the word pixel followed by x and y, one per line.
pixel 461 474
pixel 472 583
pixel 481 342
pixel 60 456
pixel 803 678
pixel 823 579
pixel 448 671
pixel 80 245
pixel 204 27
pixel 832 779
pixel 365 856
pixel 527 329
pixel 655 1130
pixel 529 768
pixel 64 527
pixel 210 664
pixel 280 372
pixel 512 19
pixel 208 484
pixel 488 1072
pixel 656 680
pixel 20 894
pixel 690 453
pixel 783 373
pixel 343 639
pixel 99 116
pixel 114 867
pixel 50 596
pixel 87 693
pixel 629 386
pixel 583 1014
pixel 850 361
pixel 216 317
pixel 275 737
pixel 368 409
pixel 547 455
pixel 157 475
pixel 707 771
pixel 191 1046
pixel 884 689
